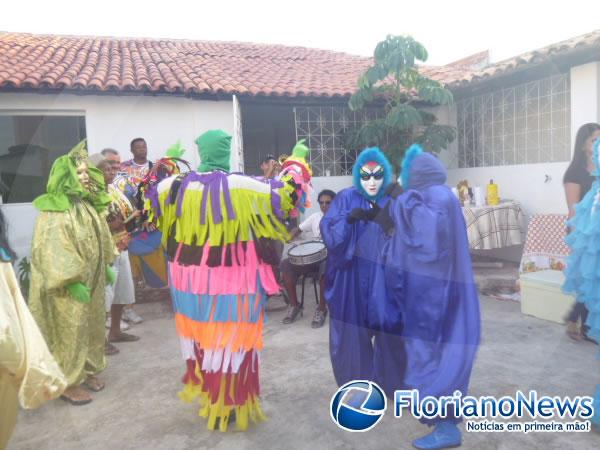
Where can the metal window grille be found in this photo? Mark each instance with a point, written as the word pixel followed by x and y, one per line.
pixel 324 127
pixel 525 124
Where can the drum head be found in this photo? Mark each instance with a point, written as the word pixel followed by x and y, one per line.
pixel 306 248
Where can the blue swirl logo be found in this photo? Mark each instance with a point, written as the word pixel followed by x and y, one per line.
pixel 358 405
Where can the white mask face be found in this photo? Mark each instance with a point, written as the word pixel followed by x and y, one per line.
pixel 371 178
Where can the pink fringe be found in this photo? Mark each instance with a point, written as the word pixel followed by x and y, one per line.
pixel 235 279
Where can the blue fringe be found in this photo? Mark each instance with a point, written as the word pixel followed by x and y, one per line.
pixel 223 308
pixel 412 152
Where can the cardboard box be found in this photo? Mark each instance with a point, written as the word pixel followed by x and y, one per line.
pixel 542 297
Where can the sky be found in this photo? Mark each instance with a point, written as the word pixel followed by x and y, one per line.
pixel 450 29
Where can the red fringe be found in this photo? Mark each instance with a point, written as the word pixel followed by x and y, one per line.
pixel 245 382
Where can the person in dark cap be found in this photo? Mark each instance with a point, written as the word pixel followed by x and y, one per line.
pixel 270 167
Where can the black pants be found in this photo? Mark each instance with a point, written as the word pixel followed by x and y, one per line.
pixel 578 311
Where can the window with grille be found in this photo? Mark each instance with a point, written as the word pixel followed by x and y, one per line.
pixel 525 124
pixel 29 144
pixel 324 127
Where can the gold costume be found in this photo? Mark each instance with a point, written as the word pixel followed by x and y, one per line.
pixel 28 373
pixel 71 245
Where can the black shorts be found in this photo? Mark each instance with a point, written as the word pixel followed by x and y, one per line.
pixel 289 268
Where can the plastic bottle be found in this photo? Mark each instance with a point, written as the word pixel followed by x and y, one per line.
pixel 492 193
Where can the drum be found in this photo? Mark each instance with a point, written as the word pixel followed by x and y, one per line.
pixel 307 253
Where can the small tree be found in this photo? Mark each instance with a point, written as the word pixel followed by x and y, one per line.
pixel 395 82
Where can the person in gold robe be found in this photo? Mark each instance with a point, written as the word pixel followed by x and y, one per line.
pixel 71 248
pixel 29 375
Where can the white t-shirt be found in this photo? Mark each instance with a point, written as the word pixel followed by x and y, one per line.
pixel 311 225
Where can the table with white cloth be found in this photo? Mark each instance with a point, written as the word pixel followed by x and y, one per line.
pixel 494 226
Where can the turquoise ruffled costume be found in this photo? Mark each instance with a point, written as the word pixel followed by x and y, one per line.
pixel 582 274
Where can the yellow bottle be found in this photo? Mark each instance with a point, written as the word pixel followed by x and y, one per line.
pixel 492 193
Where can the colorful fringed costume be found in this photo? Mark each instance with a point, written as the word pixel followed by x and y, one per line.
pixel 582 274
pixel 216 228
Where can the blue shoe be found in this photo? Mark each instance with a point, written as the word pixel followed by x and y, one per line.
pixel 445 435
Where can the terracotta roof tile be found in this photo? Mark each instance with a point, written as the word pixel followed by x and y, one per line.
pixel 588 41
pixel 205 67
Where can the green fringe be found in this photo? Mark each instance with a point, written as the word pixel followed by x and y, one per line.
pixel 254 216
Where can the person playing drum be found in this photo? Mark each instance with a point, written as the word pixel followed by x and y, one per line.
pixel 290 272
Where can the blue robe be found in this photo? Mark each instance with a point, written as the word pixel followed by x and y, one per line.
pixel 427 270
pixel 365 336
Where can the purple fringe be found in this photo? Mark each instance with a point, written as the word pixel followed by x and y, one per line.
pixel 152 195
pixel 213 183
pixel 276 199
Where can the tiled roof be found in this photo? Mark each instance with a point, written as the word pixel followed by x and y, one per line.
pixel 584 42
pixel 113 65
pixel 174 66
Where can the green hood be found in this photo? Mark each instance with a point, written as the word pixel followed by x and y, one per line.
pixel 214 148
pixel 64 186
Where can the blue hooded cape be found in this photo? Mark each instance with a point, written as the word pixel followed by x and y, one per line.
pixel 427 270
pixel 352 263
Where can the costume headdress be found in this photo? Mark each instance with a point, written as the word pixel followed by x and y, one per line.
pixel 367 155
pixel 64 186
pixel 421 169
pixel 214 148
pixel 296 172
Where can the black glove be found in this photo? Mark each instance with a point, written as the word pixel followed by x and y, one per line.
pixel 384 220
pixel 363 214
pixel 357 214
pixel 394 190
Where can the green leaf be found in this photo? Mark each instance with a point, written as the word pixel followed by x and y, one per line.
pixel 437 137
pixel 434 93
pixel 403 116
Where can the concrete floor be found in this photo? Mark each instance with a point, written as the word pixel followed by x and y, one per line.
pixel 139 408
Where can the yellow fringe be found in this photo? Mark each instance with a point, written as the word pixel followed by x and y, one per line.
pixel 253 213
pixel 249 411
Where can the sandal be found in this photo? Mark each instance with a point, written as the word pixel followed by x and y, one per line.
pixel 93 384
pixel 573 331
pixel 124 337
pixel 110 349
pixel 319 318
pixel 66 396
pixel 292 314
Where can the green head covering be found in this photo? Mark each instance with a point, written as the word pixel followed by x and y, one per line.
pixel 176 150
pixel 214 148
pixel 300 150
pixel 63 184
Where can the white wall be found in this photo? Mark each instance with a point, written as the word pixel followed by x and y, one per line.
pixel 336 184
pixel 113 121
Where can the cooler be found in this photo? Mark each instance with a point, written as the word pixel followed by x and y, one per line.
pixel 542 297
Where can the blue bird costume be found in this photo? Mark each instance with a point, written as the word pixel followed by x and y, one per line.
pixel 582 274
pixel 428 272
pixel 365 331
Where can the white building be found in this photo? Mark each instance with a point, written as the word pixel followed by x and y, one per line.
pixel 516 118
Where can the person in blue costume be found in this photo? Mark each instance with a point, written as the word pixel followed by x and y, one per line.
pixel 428 275
pixel 364 337
pixel 582 274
